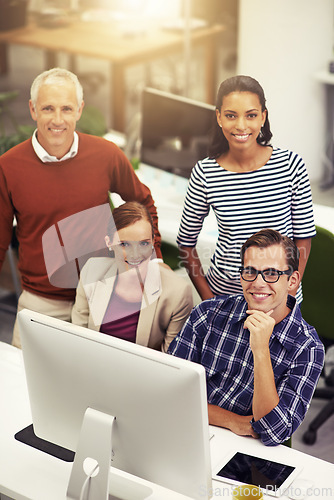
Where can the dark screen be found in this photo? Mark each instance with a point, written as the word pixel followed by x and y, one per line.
pixel 257 471
pixel 175 131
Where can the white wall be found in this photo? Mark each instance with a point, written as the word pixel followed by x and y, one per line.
pixel 283 43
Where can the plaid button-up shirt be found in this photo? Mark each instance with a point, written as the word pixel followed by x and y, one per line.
pixel 214 336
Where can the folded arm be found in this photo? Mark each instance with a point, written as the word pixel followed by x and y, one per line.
pixel 239 424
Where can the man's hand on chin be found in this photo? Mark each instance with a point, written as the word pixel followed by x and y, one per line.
pixel 261 325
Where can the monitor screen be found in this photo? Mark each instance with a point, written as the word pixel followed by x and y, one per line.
pixel 175 131
pixel 160 432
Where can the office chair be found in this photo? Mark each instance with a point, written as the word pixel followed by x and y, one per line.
pixel 317 306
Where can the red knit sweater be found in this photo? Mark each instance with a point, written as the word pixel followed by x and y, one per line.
pixel 42 194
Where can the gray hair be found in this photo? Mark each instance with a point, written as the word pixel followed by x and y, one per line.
pixel 55 76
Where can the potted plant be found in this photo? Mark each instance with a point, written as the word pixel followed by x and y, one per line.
pixel 92 121
pixel 19 132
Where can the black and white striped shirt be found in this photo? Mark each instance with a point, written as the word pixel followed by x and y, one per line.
pixel 277 196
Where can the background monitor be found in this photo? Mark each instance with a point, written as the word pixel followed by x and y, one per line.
pixel 175 131
pixel 161 430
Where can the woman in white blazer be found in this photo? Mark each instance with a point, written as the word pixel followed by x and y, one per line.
pixel 129 294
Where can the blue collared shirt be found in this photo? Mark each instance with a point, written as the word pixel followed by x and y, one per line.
pixel 214 336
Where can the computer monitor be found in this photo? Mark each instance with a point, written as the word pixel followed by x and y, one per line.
pixel 175 131
pixel 160 432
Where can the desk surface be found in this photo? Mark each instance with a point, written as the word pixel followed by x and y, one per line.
pixel 26 473
pixel 109 42
pixel 105 41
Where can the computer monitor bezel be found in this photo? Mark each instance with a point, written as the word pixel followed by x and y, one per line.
pixel 181 128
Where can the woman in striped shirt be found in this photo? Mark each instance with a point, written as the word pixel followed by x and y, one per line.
pixel 249 185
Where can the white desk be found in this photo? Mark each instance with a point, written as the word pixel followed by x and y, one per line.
pixel 27 473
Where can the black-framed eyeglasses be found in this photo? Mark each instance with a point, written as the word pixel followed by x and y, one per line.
pixel 269 275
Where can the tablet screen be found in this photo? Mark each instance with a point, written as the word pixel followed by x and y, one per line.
pixel 243 468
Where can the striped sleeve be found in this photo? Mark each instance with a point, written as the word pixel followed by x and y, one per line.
pixel 301 202
pixel 195 209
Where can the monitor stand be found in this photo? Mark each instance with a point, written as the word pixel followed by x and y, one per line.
pixel 95 447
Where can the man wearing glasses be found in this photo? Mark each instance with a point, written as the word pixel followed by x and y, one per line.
pixel 262 360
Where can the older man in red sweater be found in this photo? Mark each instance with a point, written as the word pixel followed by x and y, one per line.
pixel 54 177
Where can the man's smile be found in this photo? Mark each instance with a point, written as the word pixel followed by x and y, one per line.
pixel 57 130
pixel 260 295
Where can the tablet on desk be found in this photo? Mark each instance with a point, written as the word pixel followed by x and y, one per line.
pixel 273 477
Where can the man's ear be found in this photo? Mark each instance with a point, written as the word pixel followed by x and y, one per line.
pixel 81 107
pixel 32 110
pixel 294 281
